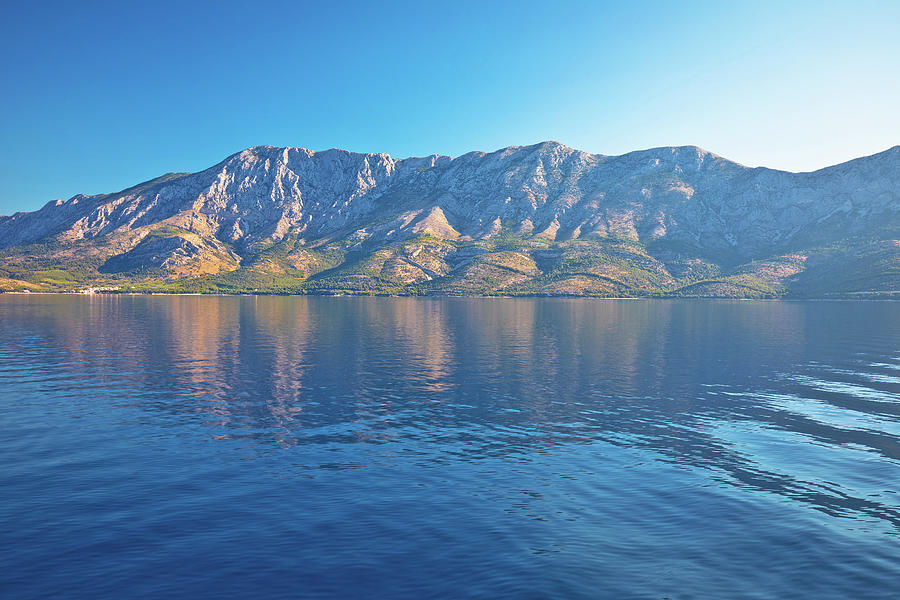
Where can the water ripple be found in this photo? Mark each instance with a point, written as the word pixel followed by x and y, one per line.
pixel 338 447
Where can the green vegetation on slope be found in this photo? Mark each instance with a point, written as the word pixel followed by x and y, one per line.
pixel 504 265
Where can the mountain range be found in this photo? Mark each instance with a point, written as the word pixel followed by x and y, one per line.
pixel 543 219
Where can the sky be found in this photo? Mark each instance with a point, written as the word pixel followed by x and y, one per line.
pixel 98 96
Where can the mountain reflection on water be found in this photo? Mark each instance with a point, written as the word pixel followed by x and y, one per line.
pixel 675 448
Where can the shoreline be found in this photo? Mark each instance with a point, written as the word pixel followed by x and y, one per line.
pixel 870 296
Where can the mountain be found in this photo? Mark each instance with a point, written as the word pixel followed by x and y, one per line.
pixel 543 219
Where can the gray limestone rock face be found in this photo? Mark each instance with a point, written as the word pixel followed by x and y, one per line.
pixel 669 198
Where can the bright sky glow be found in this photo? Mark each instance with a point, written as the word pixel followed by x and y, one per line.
pixel 98 96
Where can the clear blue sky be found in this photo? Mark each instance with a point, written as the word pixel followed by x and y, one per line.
pixel 98 96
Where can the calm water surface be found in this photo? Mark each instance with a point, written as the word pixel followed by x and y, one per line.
pixel 208 447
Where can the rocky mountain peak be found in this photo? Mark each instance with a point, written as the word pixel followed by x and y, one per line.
pixel 680 199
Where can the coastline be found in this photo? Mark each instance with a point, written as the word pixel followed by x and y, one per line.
pixel 849 296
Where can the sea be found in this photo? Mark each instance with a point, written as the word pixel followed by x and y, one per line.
pixel 359 447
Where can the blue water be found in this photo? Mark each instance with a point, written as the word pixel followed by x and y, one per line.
pixel 224 447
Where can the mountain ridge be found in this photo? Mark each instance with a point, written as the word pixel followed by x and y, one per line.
pixel 688 212
pixel 892 149
pixel 895 148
